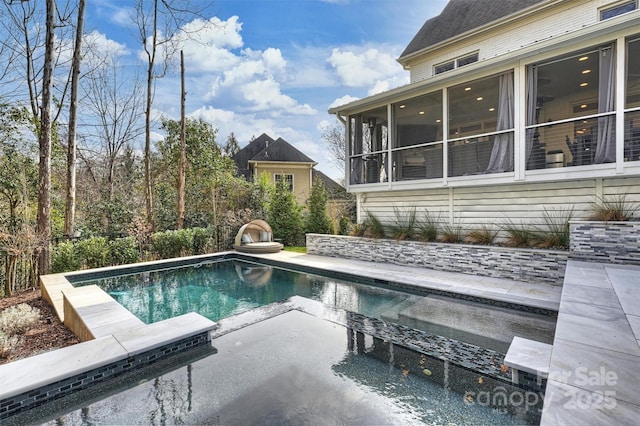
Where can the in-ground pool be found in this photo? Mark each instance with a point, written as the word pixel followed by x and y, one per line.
pixel 219 289
pixel 295 368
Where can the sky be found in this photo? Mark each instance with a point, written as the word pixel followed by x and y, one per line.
pixel 276 66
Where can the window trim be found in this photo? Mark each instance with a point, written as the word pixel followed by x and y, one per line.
pixel 455 63
pixel 617 9
pixel 277 176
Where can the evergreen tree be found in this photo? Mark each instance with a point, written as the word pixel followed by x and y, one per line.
pixel 285 215
pixel 317 220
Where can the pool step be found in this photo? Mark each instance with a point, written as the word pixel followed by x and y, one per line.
pixel 91 313
pixel 529 362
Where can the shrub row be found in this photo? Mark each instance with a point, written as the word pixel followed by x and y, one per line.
pixel 97 252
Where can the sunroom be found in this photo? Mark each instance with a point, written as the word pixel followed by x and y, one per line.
pixel 563 110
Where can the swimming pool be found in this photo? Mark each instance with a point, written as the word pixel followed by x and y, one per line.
pixel 295 368
pixel 219 289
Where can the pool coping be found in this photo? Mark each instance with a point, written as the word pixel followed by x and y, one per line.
pixel 109 339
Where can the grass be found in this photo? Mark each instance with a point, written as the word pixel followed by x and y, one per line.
pixel 557 232
pixel 519 235
pixel 615 208
pixel 296 249
pixel 484 235
pixel 404 225
pixel 427 227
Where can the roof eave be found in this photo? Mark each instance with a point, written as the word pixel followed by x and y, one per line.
pixel 404 60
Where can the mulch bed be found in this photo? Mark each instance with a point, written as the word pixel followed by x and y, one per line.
pixel 48 335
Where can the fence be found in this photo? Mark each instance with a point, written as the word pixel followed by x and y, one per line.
pixel 22 266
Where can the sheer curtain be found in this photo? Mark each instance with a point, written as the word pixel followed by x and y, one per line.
pixel 356 165
pixel 501 159
pixel 606 143
pixel 532 107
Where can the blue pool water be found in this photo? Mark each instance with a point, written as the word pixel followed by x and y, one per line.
pixel 224 288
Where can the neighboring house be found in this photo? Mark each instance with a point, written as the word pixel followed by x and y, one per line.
pixel 281 161
pixel 514 106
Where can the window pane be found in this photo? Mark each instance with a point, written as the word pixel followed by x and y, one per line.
pixel 419 120
pixel 633 75
pixel 468 60
pixel 369 139
pixel 618 10
pixel 444 67
pixel 473 107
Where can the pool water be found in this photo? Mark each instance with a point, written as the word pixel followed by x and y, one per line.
pixel 295 368
pixel 221 289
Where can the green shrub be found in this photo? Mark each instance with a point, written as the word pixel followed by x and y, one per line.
pixel 18 319
pixel 404 225
pixel 64 258
pixel 285 216
pixel 201 240
pixel 170 244
pixel 123 251
pixel 94 252
pixel 343 225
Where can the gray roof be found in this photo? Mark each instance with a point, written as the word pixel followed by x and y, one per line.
pixel 333 188
pixel 460 16
pixel 264 148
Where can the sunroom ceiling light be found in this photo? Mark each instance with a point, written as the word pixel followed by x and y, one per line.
pixel 421 113
pixel 438 120
pixel 466 89
pixel 402 106
pixel 583 58
pixel 583 106
pixel 491 109
pixel 586 71
pixel 585 84
pixel 479 98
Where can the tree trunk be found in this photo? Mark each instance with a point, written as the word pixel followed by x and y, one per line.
pixel 43 227
pixel 70 207
pixel 10 277
pixel 147 132
pixel 183 149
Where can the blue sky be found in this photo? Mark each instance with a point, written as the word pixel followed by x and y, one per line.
pixel 276 66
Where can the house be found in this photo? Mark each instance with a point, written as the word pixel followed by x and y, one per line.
pixel 280 160
pixel 514 106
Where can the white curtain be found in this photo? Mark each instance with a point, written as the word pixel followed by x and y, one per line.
pixel 532 108
pixel 356 165
pixel 606 143
pixel 501 159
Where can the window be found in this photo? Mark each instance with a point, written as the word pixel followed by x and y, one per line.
pixel 288 178
pixel 618 10
pixel 481 126
pixel 417 154
pixel 632 103
pixel 368 145
pixel 570 110
pixel 460 62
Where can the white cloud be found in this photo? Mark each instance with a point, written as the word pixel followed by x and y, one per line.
pixel 363 69
pixel 343 101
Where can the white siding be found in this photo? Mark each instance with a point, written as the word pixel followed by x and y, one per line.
pixel 566 17
pixel 473 207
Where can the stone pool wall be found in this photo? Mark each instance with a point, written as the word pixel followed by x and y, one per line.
pixel 530 265
pixel 613 242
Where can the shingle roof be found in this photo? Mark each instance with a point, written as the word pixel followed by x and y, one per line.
pixel 282 151
pixel 333 188
pixel 264 148
pixel 460 16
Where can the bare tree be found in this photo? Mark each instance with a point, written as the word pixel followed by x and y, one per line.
pixel 70 205
pixel 333 137
pixel 182 172
pixel 43 224
pixel 115 102
pixel 158 23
